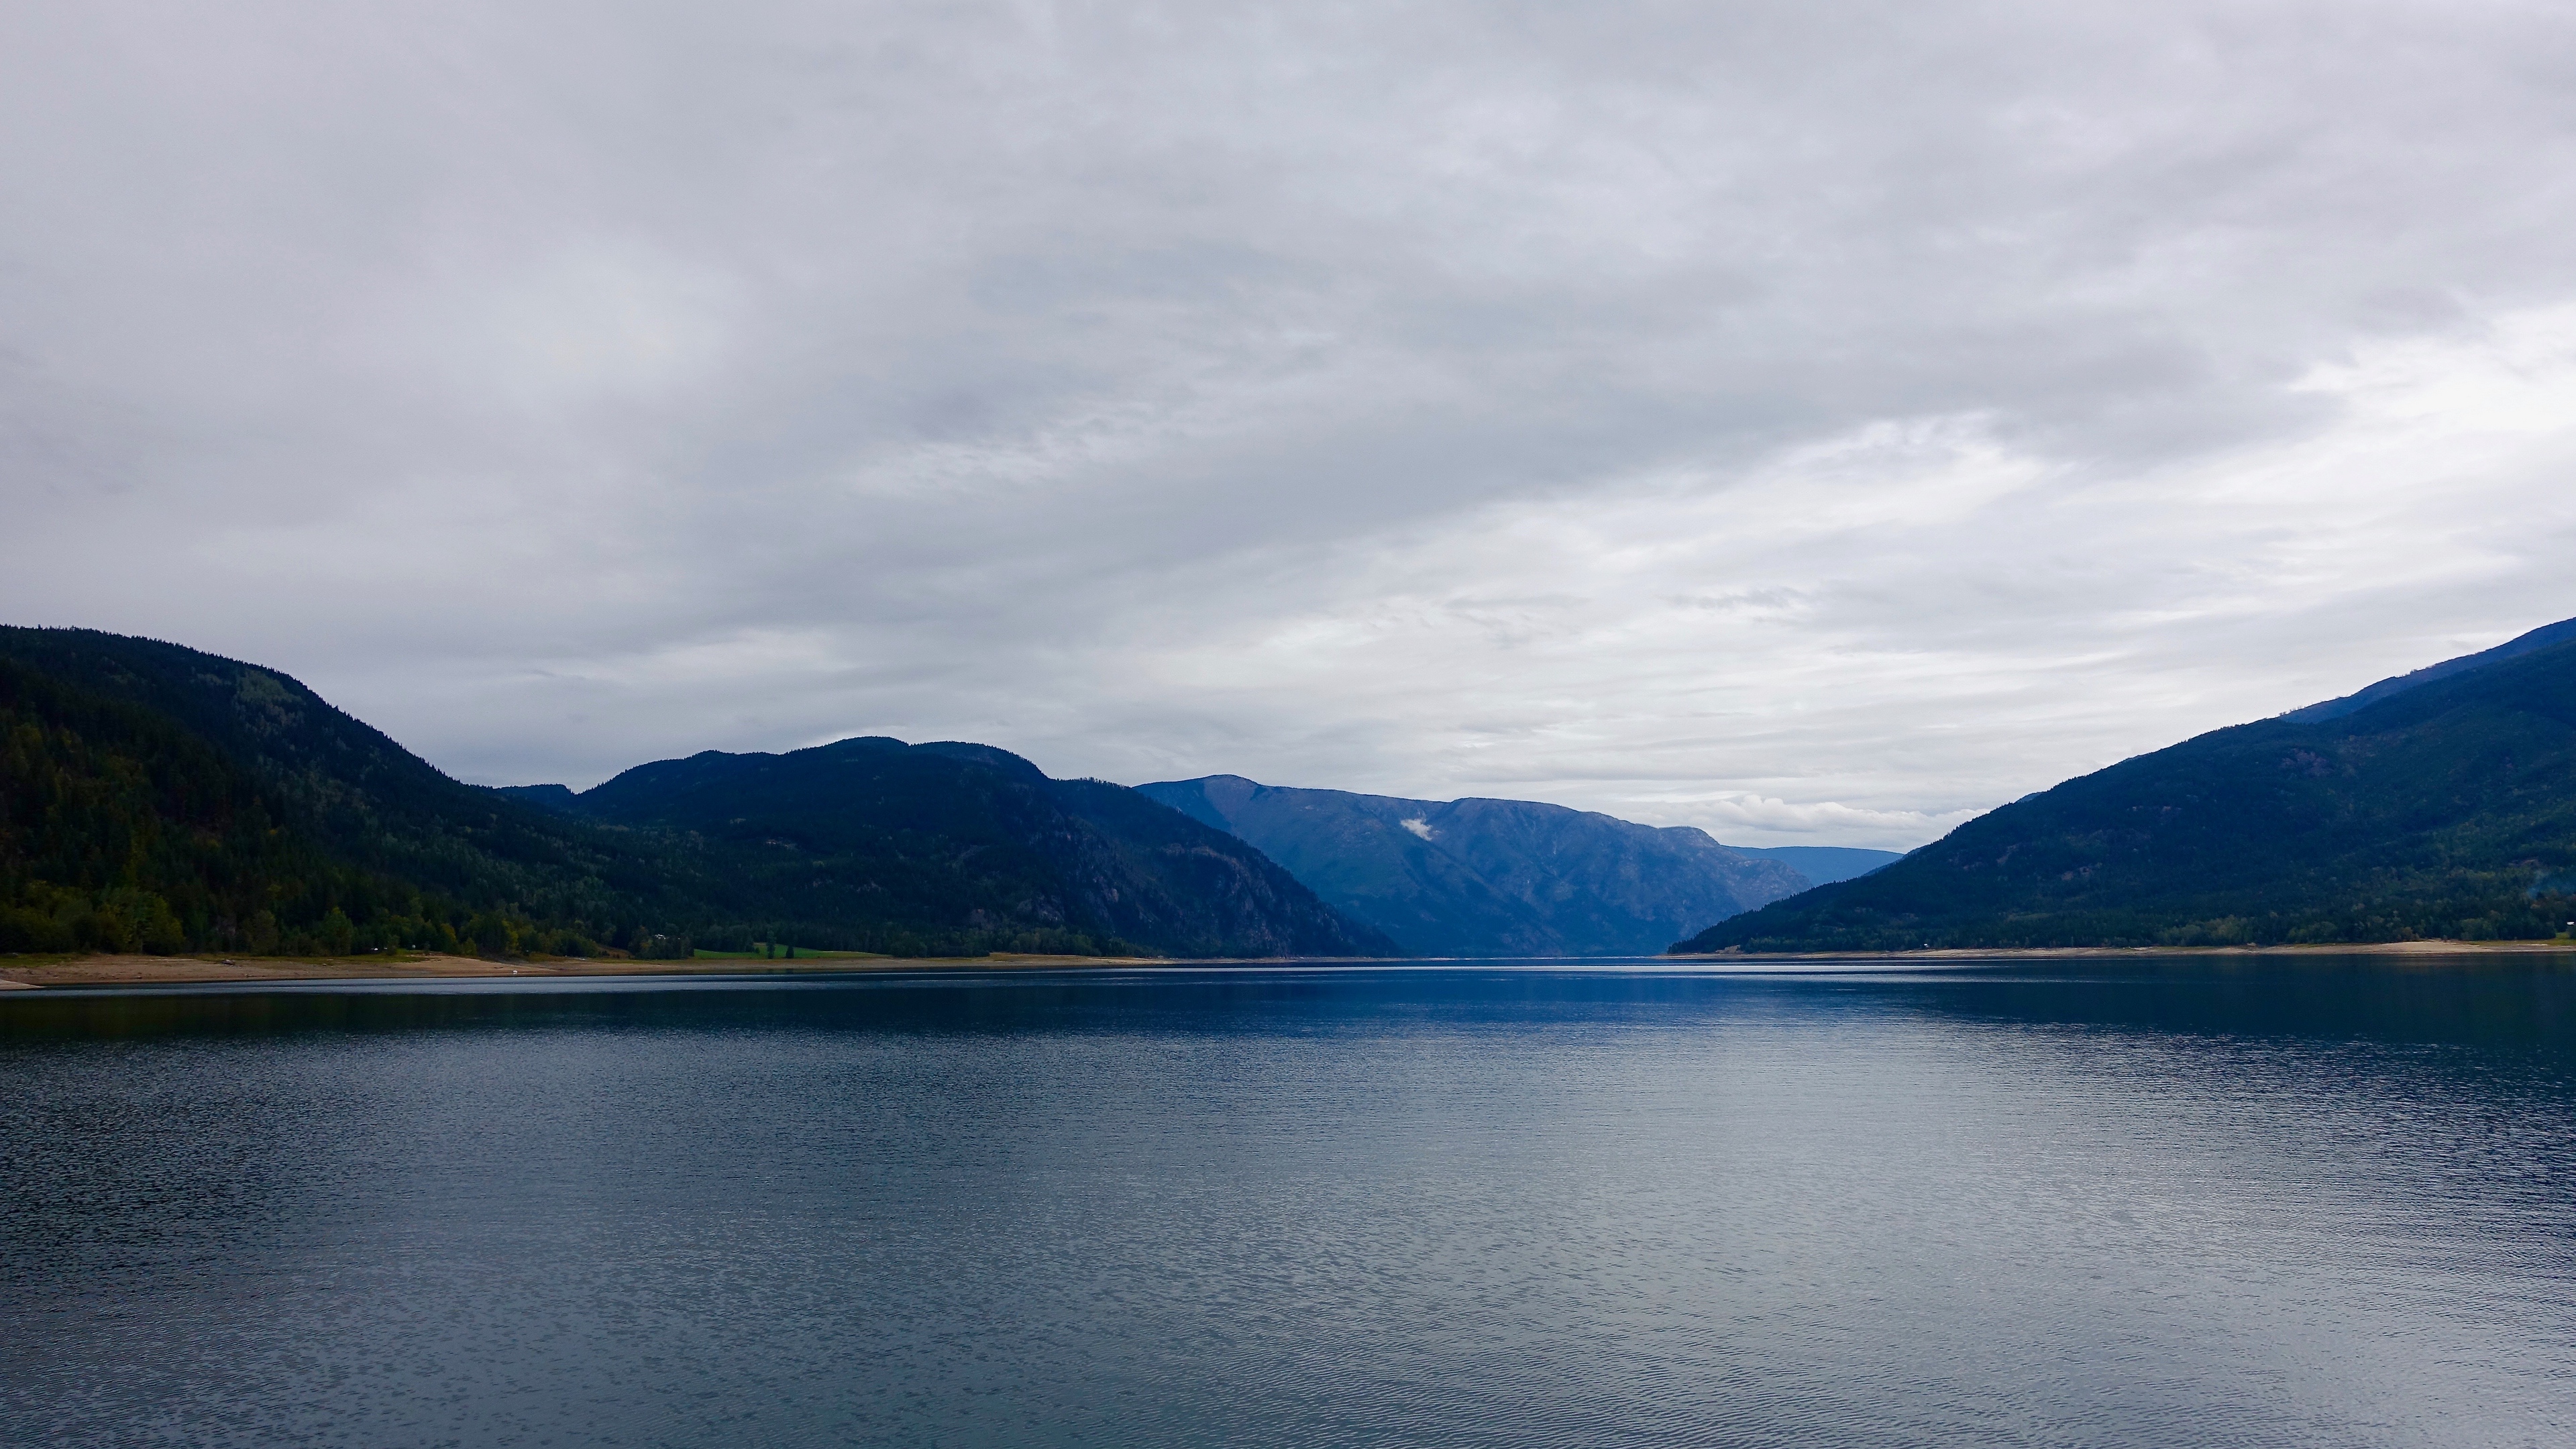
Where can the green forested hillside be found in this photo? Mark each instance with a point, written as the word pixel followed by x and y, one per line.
pixel 2444 808
pixel 118 830
pixel 157 798
pixel 849 842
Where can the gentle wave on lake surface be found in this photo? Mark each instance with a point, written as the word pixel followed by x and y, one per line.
pixel 2216 1201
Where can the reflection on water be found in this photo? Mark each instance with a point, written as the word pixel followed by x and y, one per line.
pixel 2258 1201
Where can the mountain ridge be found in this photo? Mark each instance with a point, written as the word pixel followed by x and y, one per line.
pixel 2441 809
pixel 155 797
pixel 859 813
pixel 2521 644
pixel 1486 877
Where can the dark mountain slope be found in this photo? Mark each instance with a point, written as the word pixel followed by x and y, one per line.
pixel 119 830
pixel 2443 810
pixel 160 798
pixel 329 834
pixel 2538 639
pixel 877 835
pixel 1487 877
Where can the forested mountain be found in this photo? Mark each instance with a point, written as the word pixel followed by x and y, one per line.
pixel 158 798
pixel 1489 877
pixel 2514 648
pixel 875 832
pixel 155 797
pixel 2441 804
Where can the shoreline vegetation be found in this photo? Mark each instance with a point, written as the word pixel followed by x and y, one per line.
pixel 133 970
pixel 38 972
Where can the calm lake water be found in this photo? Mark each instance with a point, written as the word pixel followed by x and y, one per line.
pixel 2258 1202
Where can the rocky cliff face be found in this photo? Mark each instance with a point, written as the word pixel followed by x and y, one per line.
pixel 1489 877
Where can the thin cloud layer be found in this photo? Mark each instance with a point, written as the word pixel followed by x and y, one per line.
pixel 1813 423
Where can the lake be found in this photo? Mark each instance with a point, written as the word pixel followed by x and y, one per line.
pixel 2206 1201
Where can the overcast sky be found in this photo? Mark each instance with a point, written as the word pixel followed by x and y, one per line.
pixel 1816 422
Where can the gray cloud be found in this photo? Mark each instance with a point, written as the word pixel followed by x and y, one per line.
pixel 1811 422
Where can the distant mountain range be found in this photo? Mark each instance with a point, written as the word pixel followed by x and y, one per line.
pixel 1501 877
pixel 1822 864
pixel 157 798
pixel 2439 804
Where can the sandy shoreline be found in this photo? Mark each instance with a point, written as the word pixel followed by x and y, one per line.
pixel 39 972
pixel 184 970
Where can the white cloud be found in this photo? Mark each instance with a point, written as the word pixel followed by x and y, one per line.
pixel 1808 423
pixel 1918 621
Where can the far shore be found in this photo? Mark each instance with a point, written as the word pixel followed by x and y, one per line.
pixel 24 973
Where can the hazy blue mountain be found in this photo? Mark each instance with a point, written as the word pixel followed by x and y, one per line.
pixel 2438 805
pixel 1488 877
pixel 1824 864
